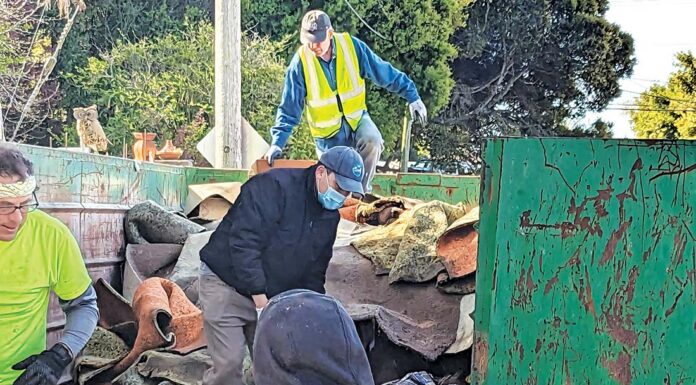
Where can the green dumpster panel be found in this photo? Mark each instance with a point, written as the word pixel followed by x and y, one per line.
pixel 450 189
pixel 587 263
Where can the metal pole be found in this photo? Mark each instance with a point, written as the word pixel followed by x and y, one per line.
pixel 228 98
pixel 406 143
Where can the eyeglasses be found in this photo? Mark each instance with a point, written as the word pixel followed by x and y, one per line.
pixel 25 208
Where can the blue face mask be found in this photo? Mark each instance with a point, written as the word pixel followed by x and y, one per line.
pixel 331 199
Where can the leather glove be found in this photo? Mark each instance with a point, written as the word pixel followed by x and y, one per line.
pixel 44 368
pixel 272 154
pixel 418 107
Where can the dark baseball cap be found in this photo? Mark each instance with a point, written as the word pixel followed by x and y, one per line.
pixel 315 27
pixel 348 166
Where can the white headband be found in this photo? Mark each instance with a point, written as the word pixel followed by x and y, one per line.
pixel 18 189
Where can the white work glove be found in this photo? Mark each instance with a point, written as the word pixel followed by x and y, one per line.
pixel 272 154
pixel 418 107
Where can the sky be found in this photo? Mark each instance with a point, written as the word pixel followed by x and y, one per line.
pixel 660 29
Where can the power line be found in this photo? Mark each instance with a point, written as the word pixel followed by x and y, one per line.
pixel 657 96
pixel 363 21
pixel 639 109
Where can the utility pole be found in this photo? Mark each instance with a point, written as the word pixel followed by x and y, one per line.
pixel 2 126
pixel 228 80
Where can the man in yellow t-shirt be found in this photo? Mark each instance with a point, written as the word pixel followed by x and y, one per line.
pixel 38 254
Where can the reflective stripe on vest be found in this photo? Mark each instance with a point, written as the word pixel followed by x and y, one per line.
pixel 322 109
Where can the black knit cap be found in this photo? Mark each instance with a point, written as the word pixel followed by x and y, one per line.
pixel 307 338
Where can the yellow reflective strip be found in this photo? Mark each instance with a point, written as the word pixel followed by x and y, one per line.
pixel 311 69
pixel 322 102
pixel 355 115
pixel 327 123
pixel 353 93
pixel 348 59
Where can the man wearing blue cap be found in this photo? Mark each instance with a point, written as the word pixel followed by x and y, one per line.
pixel 278 236
pixel 326 79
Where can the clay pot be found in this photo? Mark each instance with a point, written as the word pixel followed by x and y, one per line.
pixel 144 148
pixel 169 151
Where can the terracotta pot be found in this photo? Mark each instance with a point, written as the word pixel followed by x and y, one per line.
pixel 144 148
pixel 169 151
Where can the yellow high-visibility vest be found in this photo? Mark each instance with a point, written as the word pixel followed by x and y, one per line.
pixel 321 106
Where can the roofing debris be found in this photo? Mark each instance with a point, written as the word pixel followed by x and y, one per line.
pixel 400 268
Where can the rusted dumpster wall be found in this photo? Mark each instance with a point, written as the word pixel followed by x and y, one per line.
pixel 587 263
pixel 447 188
pixel 91 194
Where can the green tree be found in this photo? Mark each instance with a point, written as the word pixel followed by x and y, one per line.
pixel 166 84
pixel 669 111
pixel 414 35
pixel 106 22
pixel 526 67
pixel 598 129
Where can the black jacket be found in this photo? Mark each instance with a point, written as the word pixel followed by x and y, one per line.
pixel 275 237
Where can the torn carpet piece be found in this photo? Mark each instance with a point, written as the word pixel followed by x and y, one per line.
pixel 149 222
pixel 418 317
pixel 102 351
pixel 165 319
pixel 407 247
pixel 175 368
pixel 147 261
pixel 187 268
pixel 457 248
pixel 461 285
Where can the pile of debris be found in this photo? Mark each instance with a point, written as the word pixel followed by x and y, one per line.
pixel 387 254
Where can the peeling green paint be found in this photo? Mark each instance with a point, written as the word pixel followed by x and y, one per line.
pixel 587 263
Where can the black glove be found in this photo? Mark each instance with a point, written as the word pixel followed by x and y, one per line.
pixel 44 368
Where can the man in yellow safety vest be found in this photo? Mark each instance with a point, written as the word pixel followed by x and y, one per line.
pixel 326 78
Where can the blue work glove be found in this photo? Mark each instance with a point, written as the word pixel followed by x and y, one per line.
pixel 272 154
pixel 44 368
pixel 419 111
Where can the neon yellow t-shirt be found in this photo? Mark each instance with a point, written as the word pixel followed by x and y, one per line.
pixel 44 256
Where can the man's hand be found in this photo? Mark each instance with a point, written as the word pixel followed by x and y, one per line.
pixel 44 368
pixel 272 154
pixel 260 300
pixel 418 107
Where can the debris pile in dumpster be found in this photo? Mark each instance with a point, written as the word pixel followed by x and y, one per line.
pixel 403 269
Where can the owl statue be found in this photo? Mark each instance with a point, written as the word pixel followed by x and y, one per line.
pixel 90 130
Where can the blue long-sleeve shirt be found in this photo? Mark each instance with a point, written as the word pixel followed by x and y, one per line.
pixel 372 67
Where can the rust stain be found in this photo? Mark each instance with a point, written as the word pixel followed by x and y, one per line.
pixel 620 368
pixel 537 348
pixel 522 296
pixel 568 380
pixel 566 228
pixel 679 248
pixel 649 319
pixel 480 355
pixel 585 295
pixel 620 325
pixel 531 286
pixel 550 284
pixel 675 172
pixel 610 249
pixel 674 305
